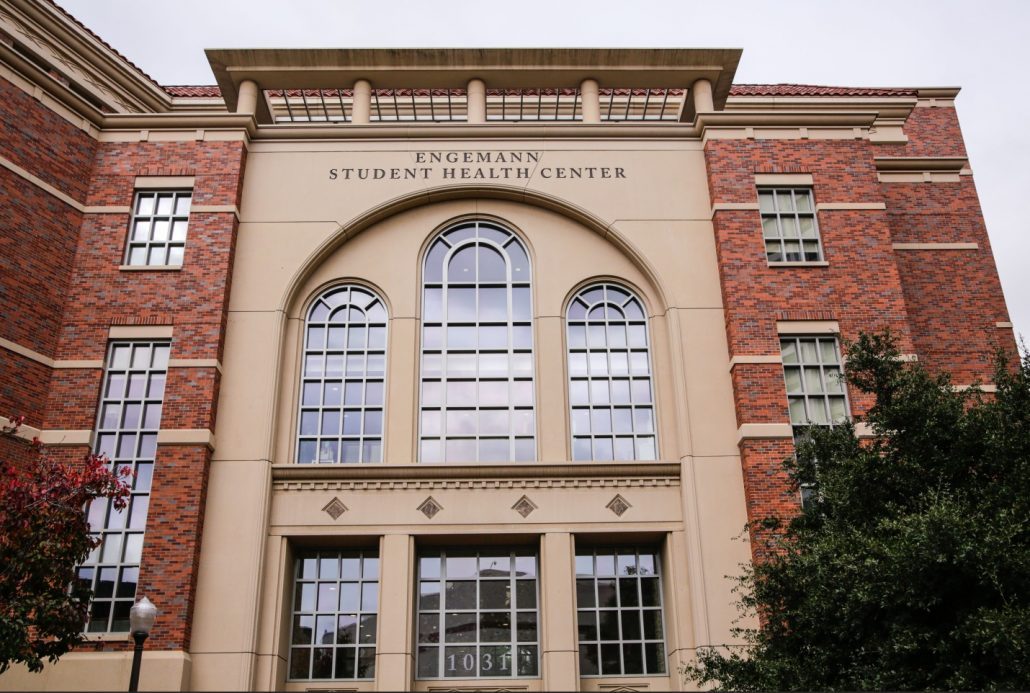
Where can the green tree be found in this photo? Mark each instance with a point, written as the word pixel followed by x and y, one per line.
pixel 909 566
pixel 43 536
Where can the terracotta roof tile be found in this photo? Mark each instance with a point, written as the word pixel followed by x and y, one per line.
pixel 213 91
pixel 193 90
pixel 815 90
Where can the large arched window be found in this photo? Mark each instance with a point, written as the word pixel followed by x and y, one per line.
pixel 610 389
pixel 341 399
pixel 477 348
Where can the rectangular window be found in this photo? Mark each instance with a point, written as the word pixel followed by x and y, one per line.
pixel 128 420
pixel 619 613
pixel 814 380
pixel 157 229
pixel 477 614
pixel 334 616
pixel 789 225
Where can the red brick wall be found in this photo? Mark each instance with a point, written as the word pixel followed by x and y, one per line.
pixel 43 143
pixel 38 237
pixel 941 305
pixel 194 301
pixel 62 290
pixel 860 288
pixel 954 296
pixel 931 132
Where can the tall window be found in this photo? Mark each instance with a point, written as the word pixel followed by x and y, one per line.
pixel 126 433
pixel 477 348
pixel 335 614
pixel 619 613
pixel 789 226
pixel 477 614
pixel 815 390
pixel 341 401
pixel 157 232
pixel 610 387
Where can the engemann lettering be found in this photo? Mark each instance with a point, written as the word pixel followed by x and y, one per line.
pixel 486 166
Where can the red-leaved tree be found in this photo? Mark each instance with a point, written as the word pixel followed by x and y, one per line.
pixel 44 535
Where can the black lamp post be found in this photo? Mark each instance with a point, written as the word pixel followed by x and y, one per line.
pixel 141 620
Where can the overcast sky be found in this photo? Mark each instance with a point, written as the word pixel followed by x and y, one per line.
pixel 982 47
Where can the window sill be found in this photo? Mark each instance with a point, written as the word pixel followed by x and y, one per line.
pixel 150 268
pixel 106 637
pixel 819 263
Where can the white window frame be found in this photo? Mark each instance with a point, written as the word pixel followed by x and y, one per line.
pixel 780 213
pixel 157 237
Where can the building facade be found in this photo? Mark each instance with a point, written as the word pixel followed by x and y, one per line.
pixel 453 369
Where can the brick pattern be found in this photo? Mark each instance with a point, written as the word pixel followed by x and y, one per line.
pixel 954 296
pixel 44 143
pixel 23 388
pixel 38 236
pixel 767 490
pixel 931 132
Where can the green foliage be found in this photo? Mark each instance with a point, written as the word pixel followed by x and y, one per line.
pixel 43 536
pixel 909 567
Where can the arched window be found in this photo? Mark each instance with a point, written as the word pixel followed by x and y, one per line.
pixel 477 348
pixel 610 388
pixel 341 400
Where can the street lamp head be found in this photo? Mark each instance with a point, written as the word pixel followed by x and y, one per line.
pixel 141 617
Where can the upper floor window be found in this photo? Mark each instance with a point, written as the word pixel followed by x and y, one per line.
pixel 341 400
pixel 477 348
pixel 789 225
pixel 157 231
pixel 815 388
pixel 128 419
pixel 610 388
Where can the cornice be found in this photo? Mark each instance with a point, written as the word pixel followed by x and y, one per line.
pixel 414 472
pixel 79 57
pixel 951 164
pixel 884 107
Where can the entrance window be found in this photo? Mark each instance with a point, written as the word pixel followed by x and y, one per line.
pixel 477 348
pixel 619 613
pixel 335 614
pixel 477 615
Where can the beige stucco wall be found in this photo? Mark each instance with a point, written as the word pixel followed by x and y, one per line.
pixel 647 227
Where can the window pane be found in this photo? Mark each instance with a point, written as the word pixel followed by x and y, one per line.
pixel 792 217
pixel 157 237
